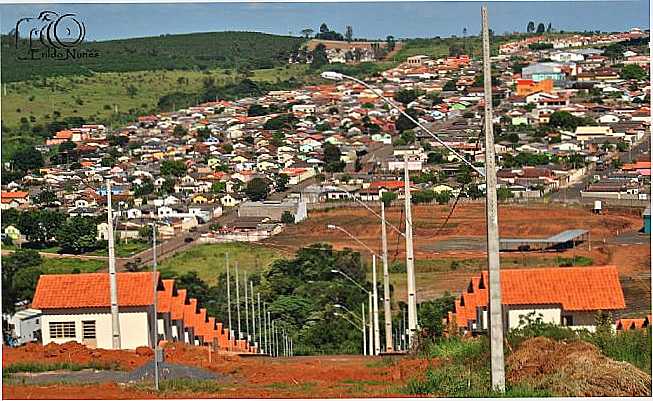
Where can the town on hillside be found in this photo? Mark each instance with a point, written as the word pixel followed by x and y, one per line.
pixel 270 213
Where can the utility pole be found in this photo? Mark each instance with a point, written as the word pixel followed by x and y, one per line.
pixel 251 293
pixel 113 279
pixel 260 328
pixel 247 332
pixel 231 332
pixel 387 313
pixel 377 334
pixel 410 261
pixel 496 315
pixel 268 333
pixel 240 333
pixel 370 308
pixel 365 347
pixel 156 319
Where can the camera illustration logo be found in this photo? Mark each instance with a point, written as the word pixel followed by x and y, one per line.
pixel 50 36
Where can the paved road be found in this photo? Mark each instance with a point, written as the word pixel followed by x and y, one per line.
pixel 573 191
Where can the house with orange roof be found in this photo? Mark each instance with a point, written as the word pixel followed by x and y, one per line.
pixel 77 307
pixel 13 199
pixel 562 296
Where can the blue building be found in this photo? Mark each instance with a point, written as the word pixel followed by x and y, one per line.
pixel 541 71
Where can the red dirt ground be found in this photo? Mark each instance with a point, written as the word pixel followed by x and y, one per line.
pixel 300 377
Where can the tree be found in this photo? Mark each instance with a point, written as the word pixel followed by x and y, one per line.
pixel 132 91
pixel 319 56
pixel 548 28
pixel 179 131
pixel 432 313
pixel 324 28
pixel 540 28
pixel 307 32
pixel 281 183
pixel 349 33
pixel 435 158
pixel 218 187
pixel 406 96
pixel 530 28
pixel 257 189
pixel 39 226
pixel 287 218
pixel 44 198
pixel 256 110
pixel 175 168
pixel 504 193
pixel 387 197
pixel 390 42
pixel 450 86
pixel 403 123
pixel 77 235
pixel 27 158
pixel 12 268
pixel 633 71
pixel 442 197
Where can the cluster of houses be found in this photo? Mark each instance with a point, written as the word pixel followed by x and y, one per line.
pixel 571 40
pixel 76 307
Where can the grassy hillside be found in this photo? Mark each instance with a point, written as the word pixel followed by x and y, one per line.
pixel 197 51
pixel 438 47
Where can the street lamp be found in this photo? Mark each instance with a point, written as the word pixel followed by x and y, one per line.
pixel 369 297
pixel 375 295
pixel 336 76
pixel 356 326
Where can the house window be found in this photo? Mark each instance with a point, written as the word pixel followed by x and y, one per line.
pixel 88 329
pixel 62 330
pixel 567 320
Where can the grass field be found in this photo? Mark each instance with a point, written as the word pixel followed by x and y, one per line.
pixel 67 265
pixel 208 260
pixel 96 97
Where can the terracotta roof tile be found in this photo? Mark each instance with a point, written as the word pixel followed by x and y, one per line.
pixel 574 288
pixel 91 290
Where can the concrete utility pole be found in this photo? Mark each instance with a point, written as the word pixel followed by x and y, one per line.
pixel 268 333
pixel 387 313
pixel 251 293
pixel 365 347
pixel 247 332
pixel 113 279
pixel 240 333
pixel 375 297
pixel 370 308
pixel 496 315
pixel 260 328
pixel 156 319
pixel 410 260
pixel 231 332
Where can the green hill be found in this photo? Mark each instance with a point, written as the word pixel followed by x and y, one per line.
pixel 195 51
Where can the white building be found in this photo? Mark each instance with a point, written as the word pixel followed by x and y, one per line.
pixel 76 307
pixel 25 326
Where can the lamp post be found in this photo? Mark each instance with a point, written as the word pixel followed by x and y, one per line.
pixel 369 296
pixel 375 295
pixel 356 326
pixel 156 318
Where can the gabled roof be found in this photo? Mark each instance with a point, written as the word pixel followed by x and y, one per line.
pixel 91 290
pixel 573 288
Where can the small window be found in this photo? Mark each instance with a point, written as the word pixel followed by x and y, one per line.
pixel 62 329
pixel 88 329
pixel 567 320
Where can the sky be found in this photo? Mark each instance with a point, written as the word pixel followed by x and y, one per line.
pixel 368 20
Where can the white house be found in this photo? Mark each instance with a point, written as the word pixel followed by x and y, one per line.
pixel 77 307
pixel 25 326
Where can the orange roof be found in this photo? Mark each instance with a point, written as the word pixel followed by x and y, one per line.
pixel 574 288
pixel 91 290
pixel 64 134
pixel 630 324
pixel 190 311
pixel 164 297
pixel 633 166
pixel 14 195
pixel 387 184
pixel 177 306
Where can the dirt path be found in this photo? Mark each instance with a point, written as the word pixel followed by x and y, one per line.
pixel 298 377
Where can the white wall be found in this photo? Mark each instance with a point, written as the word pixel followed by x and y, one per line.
pixel 549 314
pixel 134 327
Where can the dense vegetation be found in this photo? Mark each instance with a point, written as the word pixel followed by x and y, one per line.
pixel 201 51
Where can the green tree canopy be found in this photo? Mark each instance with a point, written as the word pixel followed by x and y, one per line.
pixel 257 189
